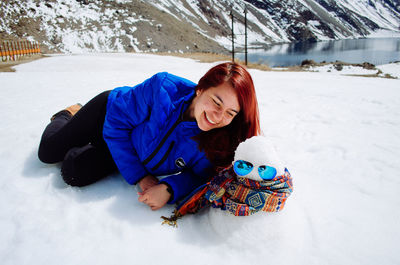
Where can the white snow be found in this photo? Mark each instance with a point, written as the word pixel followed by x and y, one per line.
pixel 259 151
pixel 384 34
pixel 377 13
pixel 339 135
pixel 392 69
pixel 346 70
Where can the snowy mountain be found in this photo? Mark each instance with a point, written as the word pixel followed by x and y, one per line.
pixel 189 25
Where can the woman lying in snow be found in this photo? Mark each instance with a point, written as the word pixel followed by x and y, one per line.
pixel 166 125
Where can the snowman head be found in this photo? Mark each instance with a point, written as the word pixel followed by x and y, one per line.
pixel 257 159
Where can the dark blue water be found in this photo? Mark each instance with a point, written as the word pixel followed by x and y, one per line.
pixel 375 51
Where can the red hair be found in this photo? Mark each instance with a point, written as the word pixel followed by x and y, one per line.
pixel 220 144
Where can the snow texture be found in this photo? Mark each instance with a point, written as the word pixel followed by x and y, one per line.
pixel 259 151
pixel 392 69
pixel 339 136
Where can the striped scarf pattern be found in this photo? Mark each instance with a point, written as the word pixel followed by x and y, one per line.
pixel 237 195
pixel 241 196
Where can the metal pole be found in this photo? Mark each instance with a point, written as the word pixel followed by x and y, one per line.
pixel 245 34
pixel 233 37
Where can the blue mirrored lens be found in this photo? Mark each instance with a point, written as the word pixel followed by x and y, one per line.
pixel 242 168
pixel 266 172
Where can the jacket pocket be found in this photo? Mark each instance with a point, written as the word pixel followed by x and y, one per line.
pixel 165 156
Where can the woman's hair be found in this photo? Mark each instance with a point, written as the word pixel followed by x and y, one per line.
pixel 220 144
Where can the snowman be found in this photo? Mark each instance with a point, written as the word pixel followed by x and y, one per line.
pixel 256 181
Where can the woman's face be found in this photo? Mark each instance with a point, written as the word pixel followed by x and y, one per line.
pixel 215 107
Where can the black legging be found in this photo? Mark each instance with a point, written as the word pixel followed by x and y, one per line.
pixel 78 142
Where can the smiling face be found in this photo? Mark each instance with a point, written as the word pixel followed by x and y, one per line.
pixel 214 107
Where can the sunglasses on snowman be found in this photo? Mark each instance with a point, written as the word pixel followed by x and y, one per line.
pixel 243 168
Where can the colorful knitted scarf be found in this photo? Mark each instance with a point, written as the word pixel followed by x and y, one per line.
pixel 237 195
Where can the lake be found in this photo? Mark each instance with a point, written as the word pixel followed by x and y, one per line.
pixel 376 51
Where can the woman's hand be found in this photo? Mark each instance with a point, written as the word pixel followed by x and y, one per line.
pixel 147 182
pixel 155 197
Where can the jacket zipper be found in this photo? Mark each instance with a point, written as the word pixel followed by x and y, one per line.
pixel 152 155
pixel 164 156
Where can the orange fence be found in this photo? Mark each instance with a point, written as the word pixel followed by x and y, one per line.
pixel 13 50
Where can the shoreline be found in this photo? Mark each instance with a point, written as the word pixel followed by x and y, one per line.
pixel 305 66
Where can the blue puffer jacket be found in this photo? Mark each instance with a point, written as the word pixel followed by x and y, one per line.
pixel 146 135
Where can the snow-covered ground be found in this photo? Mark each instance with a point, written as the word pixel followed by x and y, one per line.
pixel 391 69
pixel 339 135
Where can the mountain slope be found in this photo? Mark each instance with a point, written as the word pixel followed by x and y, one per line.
pixel 189 25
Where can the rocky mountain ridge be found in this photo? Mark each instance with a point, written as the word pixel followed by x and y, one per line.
pixel 190 26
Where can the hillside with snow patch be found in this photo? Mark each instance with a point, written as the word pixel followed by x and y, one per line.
pixel 77 26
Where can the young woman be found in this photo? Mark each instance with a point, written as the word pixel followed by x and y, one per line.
pixel 166 125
